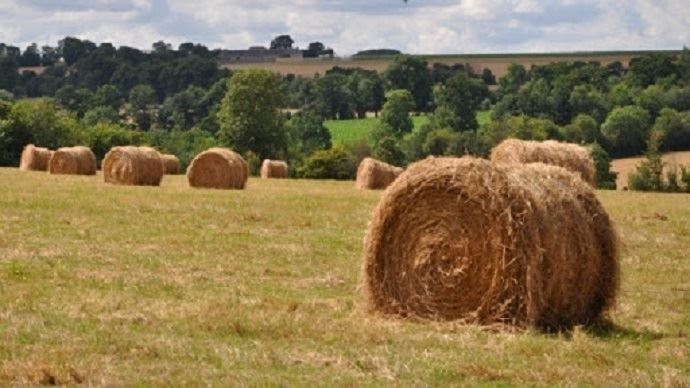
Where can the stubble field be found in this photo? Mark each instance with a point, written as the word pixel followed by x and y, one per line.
pixel 152 286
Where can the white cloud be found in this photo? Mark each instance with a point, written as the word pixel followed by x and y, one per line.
pixel 430 26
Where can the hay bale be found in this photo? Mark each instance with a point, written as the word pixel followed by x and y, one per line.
pixel 218 168
pixel 130 165
pixel 171 164
pixel 375 175
pixel 274 169
pixel 570 156
pixel 77 160
pixel 35 158
pixel 527 245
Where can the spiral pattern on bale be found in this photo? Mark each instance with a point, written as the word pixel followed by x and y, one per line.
pixel 133 166
pixel 462 239
pixel 374 174
pixel 276 169
pixel 572 157
pixel 218 168
pixel 77 160
pixel 35 158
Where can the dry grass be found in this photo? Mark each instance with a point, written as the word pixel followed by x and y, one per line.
pixel 125 285
pixel 625 166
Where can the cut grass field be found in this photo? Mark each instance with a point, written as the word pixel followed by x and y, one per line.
pixel 110 285
pixel 345 131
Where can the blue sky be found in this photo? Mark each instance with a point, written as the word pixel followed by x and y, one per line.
pixel 422 27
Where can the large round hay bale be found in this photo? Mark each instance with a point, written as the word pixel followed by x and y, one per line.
pixel 171 164
pixel 218 168
pixel 528 245
pixel 35 158
pixel 130 165
pixel 274 169
pixel 77 160
pixel 572 157
pixel 375 175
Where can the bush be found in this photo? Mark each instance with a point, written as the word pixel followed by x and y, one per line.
pixel 183 144
pixel 388 150
pixel 648 175
pixel 104 136
pixel 606 179
pixel 626 129
pixel 334 163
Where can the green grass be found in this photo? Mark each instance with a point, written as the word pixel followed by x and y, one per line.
pixel 345 131
pixel 156 286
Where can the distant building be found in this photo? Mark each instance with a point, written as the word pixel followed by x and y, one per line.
pixel 258 54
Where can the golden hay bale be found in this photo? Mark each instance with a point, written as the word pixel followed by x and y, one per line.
pixel 218 168
pixel 274 169
pixel 130 165
pixel 374 174
pixel 77 160
pixel 528 245
pixel 570 156
pixel 35 158
pixel 171 164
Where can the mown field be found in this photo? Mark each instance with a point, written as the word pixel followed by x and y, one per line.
pixel 109 285
pixel 344 131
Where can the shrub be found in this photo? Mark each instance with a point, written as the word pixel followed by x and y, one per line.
pixel 334 163
pixel 606 179
pixel 104 136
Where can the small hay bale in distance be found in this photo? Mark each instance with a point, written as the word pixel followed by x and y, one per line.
pixel 218 168
pixel 374 174
pixel 463 239
pixel 572 157
pixel 77 160
pixel 35 158
pixel 171 164
pixel 134 166
pixel 274 169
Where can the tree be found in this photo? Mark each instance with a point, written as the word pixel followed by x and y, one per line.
pixel 334 163
pixel 388 150
pixel 141 99
pixel 606 179
pixel 282 42
pixel 412 74
pixel 396 112
pixel 514 78
pixel 648 175
pixel 183 110
pixel 307 134
pixel 108 95
pixel 583 130
pixel 461 97
pixel 31 56
pixel 652 99
pixel 332 97
pixel 249 115
pixel 673 129
pixel 584 99
pixel 626 129
pixel 74 49
pixel 101 114
pixel 75 99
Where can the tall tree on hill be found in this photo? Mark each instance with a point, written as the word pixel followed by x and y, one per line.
pixel 460 99
pixel 412 74
pixel 282 42
pixel 249 115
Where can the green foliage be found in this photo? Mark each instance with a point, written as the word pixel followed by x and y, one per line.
pixel 412 74
pixel 34 121
pixel 674 128
pixel 388 150
pixel 520 127
pixel 396 112
pixel 183 110
pixel 439 142
pixel 183 144
pixel 253 162
pixel 306 134
pixel 332 97
pixel 101 114
pixel 101 137
pixel 334 163
pixel 583 130
pixel 108 95
pixel 648 175
pixel 77 100
pixel 459 99
pixel 652 99
pixel 249 115
pixel 606 179
pixel 627 129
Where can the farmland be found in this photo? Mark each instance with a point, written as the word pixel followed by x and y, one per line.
pixel 109 285
pixel 497 63
pixel 344 131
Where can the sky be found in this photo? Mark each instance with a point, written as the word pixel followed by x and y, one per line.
pixel 418 26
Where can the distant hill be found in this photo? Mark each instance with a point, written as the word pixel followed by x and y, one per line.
pixel 497 63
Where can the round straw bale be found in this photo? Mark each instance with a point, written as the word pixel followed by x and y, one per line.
pixel 129 165
pixel 77 160
pixel 274 169
pixel 570 156
pixel 375 175
pixel 218 168
pixel 35 158
pixel 527 245
pixel 171 164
